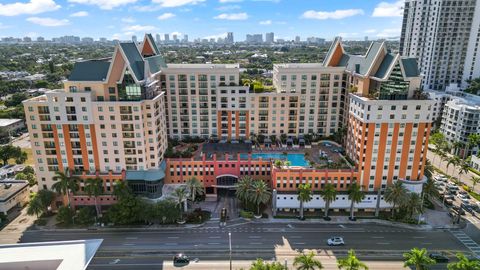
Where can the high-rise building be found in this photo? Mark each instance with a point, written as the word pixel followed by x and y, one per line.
pixel 175 38
pixel 443 35
pixel 40 39
pixel 166 38
pixel 134 39
pixel 254 39
pixel 87 40
pixel 185 38
pixel 103 40
pixel 109 123
pixel 297 39
pixel 157 38
pixel 229 38
pixel 27 39
pixel 269 37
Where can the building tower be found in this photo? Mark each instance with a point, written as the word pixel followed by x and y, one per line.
pixel 443 36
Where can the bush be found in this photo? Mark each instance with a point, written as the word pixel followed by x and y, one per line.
pixel 198 216
pixel 41 222
pixel 246 214
pixel 85 216
pixel 65 215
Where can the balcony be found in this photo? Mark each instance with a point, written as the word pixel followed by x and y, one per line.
pixel 126 117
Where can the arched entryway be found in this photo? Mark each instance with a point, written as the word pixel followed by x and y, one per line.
pixel 226 185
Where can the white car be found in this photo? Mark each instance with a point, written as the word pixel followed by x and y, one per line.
pixel 463 196
pixel 335 241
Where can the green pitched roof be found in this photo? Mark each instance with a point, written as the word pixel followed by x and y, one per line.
pixel 94 70
pixel 152 42
pixel 155 63
pixel 149 175
pixel 361 64
pixel 386 64
pixel 135 60
pixel 410 66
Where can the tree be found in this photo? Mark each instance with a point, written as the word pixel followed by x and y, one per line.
pixel 463 168
pixel 418 258
pixel 473 140
pixel 355 195
pixel 260 194
pixel 121 189
pixel 243 189
pixel 94 188
pixel 195 188
pixel 438 140
pixel 351 262
pixel 454 161
pixel 46 198
pixel 475 180
pixel 166 212
pixel 35 207
pixel 278 163
pixel 127 210
pixel 9 151
pixel 307 262
pixel 28 170
pixel 429 190
pixel 474 86
pixel 260 264
pixel 413 204
pixel 65 183
pixel 395 194
pixel 304 192
pixel 65 215
pixel 180 195
pixel 329 193
pixel 464 263
pixel 85 216
pixel 21 157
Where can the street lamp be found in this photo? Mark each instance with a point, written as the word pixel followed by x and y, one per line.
pixel 230 247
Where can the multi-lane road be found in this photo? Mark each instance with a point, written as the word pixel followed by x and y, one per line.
pixel 380 246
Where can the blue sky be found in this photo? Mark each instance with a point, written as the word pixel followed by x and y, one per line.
pixel 351 19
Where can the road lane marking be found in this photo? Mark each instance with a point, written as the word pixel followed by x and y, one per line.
pixel 383 243
pixel 378 237
pixel 214 243
pixel 301 243
pixel 173 237
pixel 426 243
pixel 296 237
pixel 214 237
pixel 419 237
pixel 129 244
pixel 131 238
pixel 254 237
pixel 255 243
pixel 171 244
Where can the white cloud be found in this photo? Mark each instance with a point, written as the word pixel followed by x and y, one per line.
pixel 385 9
pixel 232 16
pixel 104 4
pixel 166 16
pixel 32 7
pixel 370 31
pixel 223 35
pixel 138 28
pixel 176 33
pixel 3 26
pixel 128 20
pixel 176 3
pixel 50 22
pixel 230 1
pixel 335 15
pixel 79 14
pixel 228 7
pixel 389 32
pixel 267 22
pixel 147 8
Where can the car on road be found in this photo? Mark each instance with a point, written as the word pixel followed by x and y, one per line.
pixel 335 241
pixel 448 202
pixel 181 258
pixel 463 196
pixel 452 186
pixel 441 178
pixel 467 207
pixel 439 258
pixel 465 201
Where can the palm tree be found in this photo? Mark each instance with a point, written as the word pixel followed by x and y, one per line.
pixel 278 163
pixel 418 258
pixel 243 189
pixel 304 192
pixel 307 262
pixel 329 193
pixel 463 168
pixel 472 140
pixel 456 146
pixel 260 194
pixel 429 190
pixel 454 160
pixel 351 262
pixel 94 188
pixel 355 195
pixel 475 180
pixel 195 188
pixel 65 183
pixel 413 204
pixel 463 263
pixel 180 195
pixel 396 195
pixel 35 207
pixel 260 264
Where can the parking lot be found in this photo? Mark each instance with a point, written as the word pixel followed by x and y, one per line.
pixel 457 200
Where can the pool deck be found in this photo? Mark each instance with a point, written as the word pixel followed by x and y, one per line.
pixel 312 153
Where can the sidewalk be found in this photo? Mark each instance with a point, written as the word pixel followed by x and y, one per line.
pixel 12 233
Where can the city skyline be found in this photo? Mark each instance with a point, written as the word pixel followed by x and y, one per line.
pixel 200 18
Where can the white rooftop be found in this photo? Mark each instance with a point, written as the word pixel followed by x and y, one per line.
pixel 63 255
pixel 6 122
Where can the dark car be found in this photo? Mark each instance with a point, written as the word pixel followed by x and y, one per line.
pixel 467 207
pixel 439 258
pixel 181 258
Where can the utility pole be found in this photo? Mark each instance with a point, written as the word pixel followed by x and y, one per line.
pixel 230 246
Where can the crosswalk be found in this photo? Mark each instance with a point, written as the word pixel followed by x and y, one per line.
pixel 467 241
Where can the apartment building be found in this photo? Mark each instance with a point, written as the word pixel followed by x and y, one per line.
pixel 108 119
pixel 388 121
pixel 444 36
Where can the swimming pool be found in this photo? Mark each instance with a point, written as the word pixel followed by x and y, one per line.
pixel 295 159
